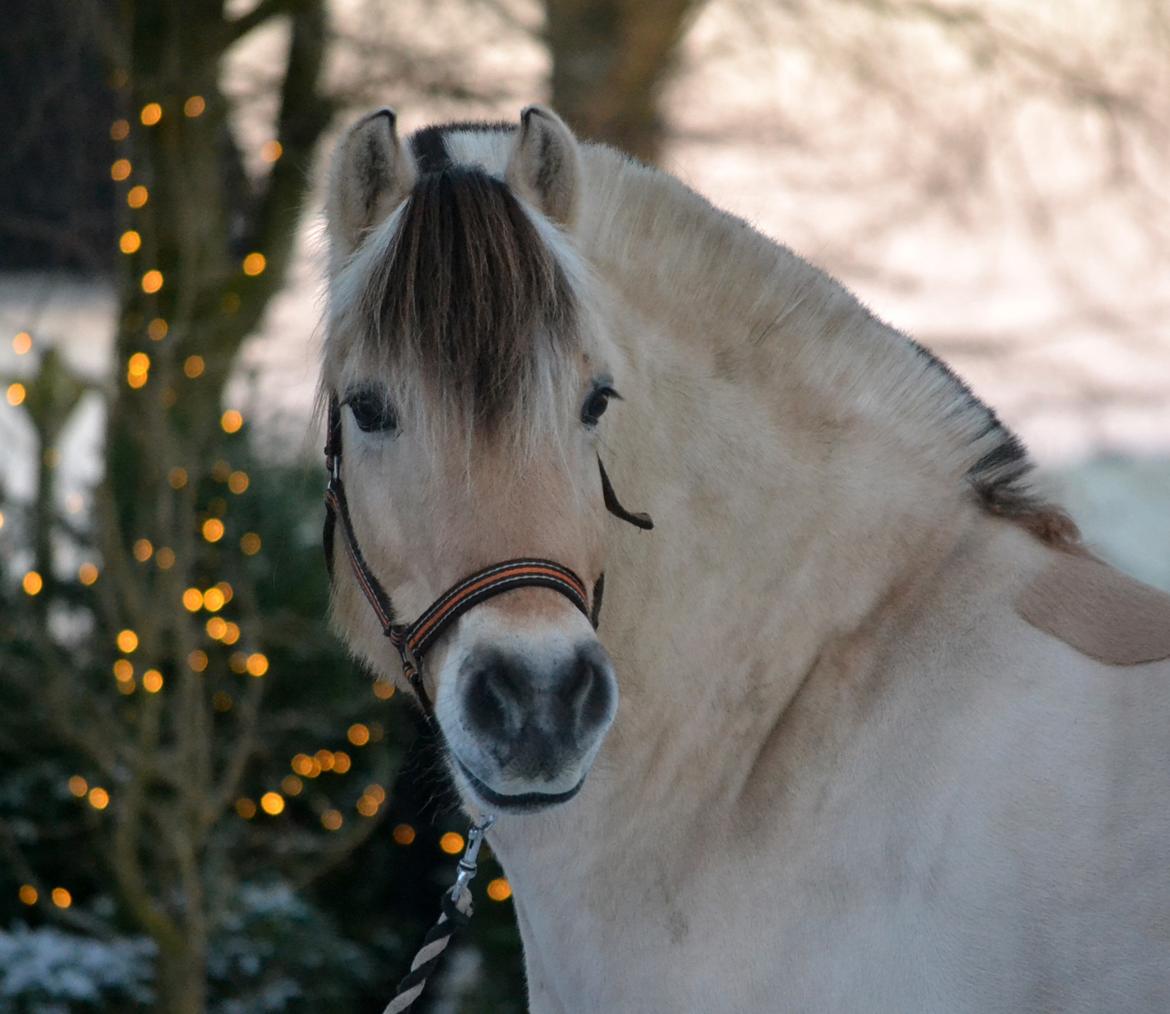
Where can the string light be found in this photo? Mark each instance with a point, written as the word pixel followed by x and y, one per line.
pixel 245 808
pixel 383 689
pixel 157 329
pixel 130 241
pixel 197 660
pixel 254 264
pixel 177 477
pixel 98 797
pixel 21 342
pixel 32 583
pixel 358 734
pixel 451 843
pixel 121 170
pixel 123 670
pixel 87 574
pixel 231 421
pixel 194 106
pixel 151 113
pixel 28 894
pixel 232 634
pixel 192 600
pixel 292 785
pixel 127 641
pixel 165 558
pixel 238 482
pixel 119 130
pixel 193 367
pixel 250 543
pixel 16 393
pixel 78 786
pixel 216 627
pixel 152 281
pixel 499 889
pixel 61 897
pixel 127 687
pixel 272 803
pixel 212 530
pixel 213 598
pixel 403 834
pixel 302 764
pixel 331 820
pixel 366 806
pixel 152 681
pixel 143 550
pixel 341 762
pixel 238 662
pixel 257 664
pixel 271 151
pixel 137 196
pixel 225 589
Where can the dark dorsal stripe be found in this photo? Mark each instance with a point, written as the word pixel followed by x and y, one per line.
pixel 430 150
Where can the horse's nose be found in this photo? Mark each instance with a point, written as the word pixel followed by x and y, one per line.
pixel 533 707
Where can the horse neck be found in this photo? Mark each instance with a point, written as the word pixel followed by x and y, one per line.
pixel 803 462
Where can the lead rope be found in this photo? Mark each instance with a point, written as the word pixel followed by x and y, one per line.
pixel 456 913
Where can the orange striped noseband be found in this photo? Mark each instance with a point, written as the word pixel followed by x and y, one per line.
pixel 414 639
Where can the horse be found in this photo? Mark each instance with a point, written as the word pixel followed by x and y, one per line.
pixel 862 723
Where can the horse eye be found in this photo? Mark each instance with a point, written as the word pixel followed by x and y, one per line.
pixel 596 404
pixel 372 412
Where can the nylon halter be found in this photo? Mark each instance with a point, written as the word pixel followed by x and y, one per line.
pixel 412 640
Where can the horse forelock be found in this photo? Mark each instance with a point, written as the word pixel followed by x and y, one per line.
pixel 461 292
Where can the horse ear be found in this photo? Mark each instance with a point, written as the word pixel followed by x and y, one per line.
pixel 372 173
pixel 545 166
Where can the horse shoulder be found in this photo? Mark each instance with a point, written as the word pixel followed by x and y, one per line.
pixel 1098 610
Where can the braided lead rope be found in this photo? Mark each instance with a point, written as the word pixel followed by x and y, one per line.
pixel 456 913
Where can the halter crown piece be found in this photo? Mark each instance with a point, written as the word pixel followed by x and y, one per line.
pixel 412 640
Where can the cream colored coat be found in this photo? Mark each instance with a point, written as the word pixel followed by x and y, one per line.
pixel 846 774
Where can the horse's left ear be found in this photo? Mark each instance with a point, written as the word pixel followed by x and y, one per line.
pixel 545 166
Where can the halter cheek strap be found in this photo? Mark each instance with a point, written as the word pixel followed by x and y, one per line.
pixel 413 640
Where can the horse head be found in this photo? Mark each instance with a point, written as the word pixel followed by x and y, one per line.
pixel 468 377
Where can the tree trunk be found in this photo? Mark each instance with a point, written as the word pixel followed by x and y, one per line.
pixel 610 60
pixel 203 216
pixel 181 979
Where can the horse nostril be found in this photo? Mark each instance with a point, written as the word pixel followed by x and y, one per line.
pixel 497 695
pixel 585 688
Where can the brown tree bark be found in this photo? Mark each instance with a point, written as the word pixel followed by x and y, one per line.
pixel 610 61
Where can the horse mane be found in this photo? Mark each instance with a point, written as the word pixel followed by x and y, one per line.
pixel 460 288
pixel 797 320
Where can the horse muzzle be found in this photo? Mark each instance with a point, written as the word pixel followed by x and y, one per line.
pixel 525 718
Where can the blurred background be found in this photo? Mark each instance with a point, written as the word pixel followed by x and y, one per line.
pixel 204 805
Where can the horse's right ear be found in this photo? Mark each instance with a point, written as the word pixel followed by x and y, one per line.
pixel 545 167
pixel 372 174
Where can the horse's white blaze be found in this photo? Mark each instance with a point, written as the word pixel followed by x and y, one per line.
pixel 846 774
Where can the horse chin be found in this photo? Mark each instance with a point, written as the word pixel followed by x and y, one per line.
pixel 521 802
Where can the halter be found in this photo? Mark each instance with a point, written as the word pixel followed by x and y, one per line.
pixel 412 640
